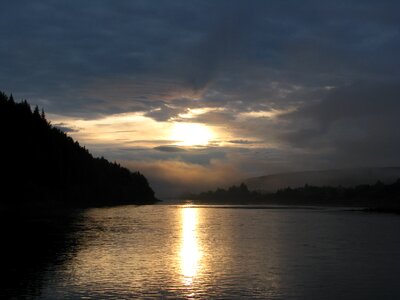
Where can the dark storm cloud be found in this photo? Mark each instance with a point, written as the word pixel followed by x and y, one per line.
pixel 51 50
pixel 366 104
pixel 355 125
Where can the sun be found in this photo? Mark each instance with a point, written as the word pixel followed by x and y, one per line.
pixel 191 134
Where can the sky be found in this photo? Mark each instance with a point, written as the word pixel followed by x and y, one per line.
pixel 199 94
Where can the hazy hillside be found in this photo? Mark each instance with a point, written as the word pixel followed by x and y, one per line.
pixel 343 177
pixel 43 166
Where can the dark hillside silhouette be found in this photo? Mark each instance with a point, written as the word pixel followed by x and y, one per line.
pixel 41 165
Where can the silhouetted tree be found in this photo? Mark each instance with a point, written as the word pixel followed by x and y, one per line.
pixel 42 165
pixel 379 196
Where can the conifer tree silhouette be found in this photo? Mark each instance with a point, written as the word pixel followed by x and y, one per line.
pixel 43 165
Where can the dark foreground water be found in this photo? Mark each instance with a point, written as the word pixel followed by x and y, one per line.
pixel 167 251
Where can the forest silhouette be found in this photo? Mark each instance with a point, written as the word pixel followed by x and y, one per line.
pixel 44 167
pixel 378 197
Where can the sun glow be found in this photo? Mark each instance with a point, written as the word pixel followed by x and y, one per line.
pixel 191 134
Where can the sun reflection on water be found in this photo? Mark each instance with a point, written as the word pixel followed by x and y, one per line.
pixel 190 253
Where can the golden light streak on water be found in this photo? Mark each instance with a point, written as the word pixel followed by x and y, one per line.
pixel 190 253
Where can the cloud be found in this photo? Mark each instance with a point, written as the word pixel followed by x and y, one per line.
pixel 355 124
pixel 355 103
pixel 63 127
pixel 165 112
pixel 316 82
pixel 134 51
pixel 244 142
pixel 169 149
pixel 171 178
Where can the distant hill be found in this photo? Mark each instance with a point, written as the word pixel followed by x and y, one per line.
pixel 339 177
pixel 42 166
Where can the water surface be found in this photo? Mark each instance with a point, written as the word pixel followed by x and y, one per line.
pixel 172 251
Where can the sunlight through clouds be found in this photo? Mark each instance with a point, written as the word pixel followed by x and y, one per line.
pixel 191 134
pixel 273 113
pixel 136 128
pixel 117 129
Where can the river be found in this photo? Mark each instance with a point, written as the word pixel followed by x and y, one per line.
pixel 219 252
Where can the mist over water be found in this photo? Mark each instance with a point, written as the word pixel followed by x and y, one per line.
pixel 173 251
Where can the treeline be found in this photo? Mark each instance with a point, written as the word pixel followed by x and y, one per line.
pixel 234 194
pixel 41 165
pixel 378 196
